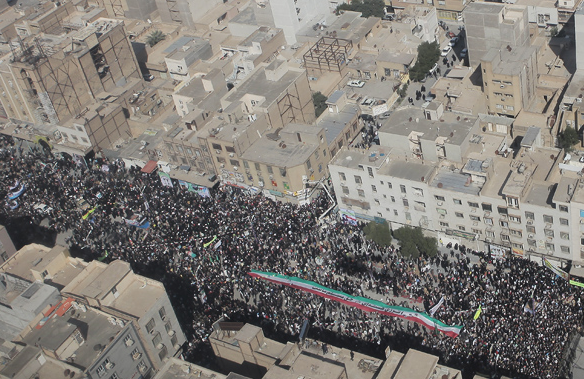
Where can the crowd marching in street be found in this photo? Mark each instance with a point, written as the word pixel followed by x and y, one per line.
pixel 518 317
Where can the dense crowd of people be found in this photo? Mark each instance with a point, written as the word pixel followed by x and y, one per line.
pixel 202 249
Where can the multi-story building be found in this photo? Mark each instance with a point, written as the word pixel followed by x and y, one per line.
pixel 115 290
pixel 40 82
pixel 134 9
pixel 7 248
pixel 526 200
pixel 509 79
pixel 90 340
pixel 292 15
pixel 494 26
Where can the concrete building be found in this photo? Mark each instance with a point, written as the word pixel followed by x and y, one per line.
pixel 178 369
pixel 7 248
pixel 494 26
pixel 579 36
pixel 524 200
pixel 188 12
pixel 133 9
pixel 184 53
pixel 90 340
pixel 543 13
pixel 292 15
pixel 32 362
pixel 117 291
pixel 509 79
pixel 21 301
pixel 243 350
pixel 40 80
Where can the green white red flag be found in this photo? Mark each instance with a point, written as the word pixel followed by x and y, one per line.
pixel 367 305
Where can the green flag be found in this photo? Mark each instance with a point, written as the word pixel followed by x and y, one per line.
pixel 210 242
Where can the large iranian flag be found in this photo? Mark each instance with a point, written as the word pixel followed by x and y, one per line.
pixel 362 303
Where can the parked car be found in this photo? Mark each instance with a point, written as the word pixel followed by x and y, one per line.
pixel 434 68
pixel 356 83
pixel 446 51
pixel 450 35
pixel 453 41
pixel 148 77
pixel 464 53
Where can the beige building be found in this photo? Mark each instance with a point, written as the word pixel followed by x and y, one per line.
pixel 509 79
pixel 40 80
pixel 116 290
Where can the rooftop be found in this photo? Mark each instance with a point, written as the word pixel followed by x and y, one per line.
pixel 178 369
pixel 270 152
pixel 455 181
pixel 95 328
pixel 416 172
pixel 334 123
pixel 416 365
pixel 375 156
pixel 509 62
pixel 452 127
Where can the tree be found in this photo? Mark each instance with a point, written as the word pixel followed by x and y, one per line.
pixel 319 103
pixel 428 54
pixel 413 242
pixel 367 8
pixel 378 232
pixel 155 37
pixel 554 31
pixel 568 138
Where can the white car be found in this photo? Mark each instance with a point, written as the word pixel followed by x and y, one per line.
pixel 446 51
pixel 356 83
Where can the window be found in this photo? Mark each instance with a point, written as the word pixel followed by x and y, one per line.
pixel 370 171
pixel 530 229
pixel 221 160
pixel 100 371
pixel 230 149
pixel 234 162
pixel 319 168
pixel 504 223
pixel 245 164
pixel 563 208
pixel 283 172
pixel 460 227
pixel 128 340
pixel 442 211
pixel 358 179
pixel 549 246
pixel 392 199
pixel 516 233
pixel 516 219
pixel 406 202
pixel 529 216
pixel 373 188
pixel 531 243
pixel 389 185
pixel 270 169
pixel 504 237
pixel 548 219
pixel 342 176
pixel 361 193
pixel 114 376
pixel 402 188
pixel 563 221
pixel 216 146
pixel 142 367
pixel 548 232
pixel 457 201
pixel 257 167
pixel 316 154
pixel 418 191
pixel 477 231
pixel 444 224
pixel 565 249
pixel 499 106
pixel 502 210
pixel 564 235
pixel 490 234
pixel 345 190
pixel 473 205
pixel 150 326
pixel 513 202
pixel 488 221
pixel 162 313
pixel 510 107
pixel 459 214
pixel 395 212
pixel 157 339
pixel 487 207
pixel 308 164
pixel 439 198
pixel 162 354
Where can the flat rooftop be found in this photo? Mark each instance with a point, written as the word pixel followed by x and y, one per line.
pixel 452 127
pixel 93 325
pixel 509 62
pixel 375 156
pixel 455 181
pixel 269 152
pixel 334 123
pixel 178 369
pixel 416 172
pixel 416 365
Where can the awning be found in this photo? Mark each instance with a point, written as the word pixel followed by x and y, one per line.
pixel 149 167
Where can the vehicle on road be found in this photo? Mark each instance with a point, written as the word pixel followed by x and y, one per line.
pixel 446 51
pixel 464 53
pixel 453 41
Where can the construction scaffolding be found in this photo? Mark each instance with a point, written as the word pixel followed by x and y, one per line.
pixel 328 54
